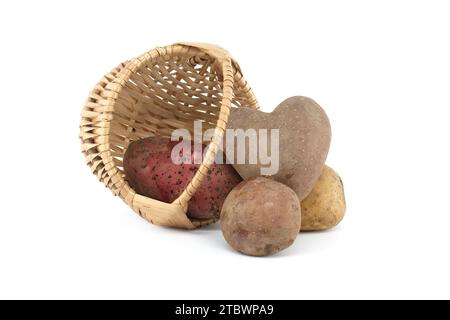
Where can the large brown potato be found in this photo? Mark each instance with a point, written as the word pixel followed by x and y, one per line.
pixel 150 172
pixel 260 217
pixel 304 140
pixel 324 207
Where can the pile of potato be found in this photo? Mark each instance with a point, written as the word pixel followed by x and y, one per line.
pixel 259 215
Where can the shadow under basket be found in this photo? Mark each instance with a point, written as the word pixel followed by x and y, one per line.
pixel 164 89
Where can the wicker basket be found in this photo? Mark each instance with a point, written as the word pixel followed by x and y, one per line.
pixel 164 89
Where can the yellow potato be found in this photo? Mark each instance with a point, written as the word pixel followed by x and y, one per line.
pixel 325 206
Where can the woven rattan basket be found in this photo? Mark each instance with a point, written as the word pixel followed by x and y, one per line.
pixel 162 90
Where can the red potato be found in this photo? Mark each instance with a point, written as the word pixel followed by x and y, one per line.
pixel 151 172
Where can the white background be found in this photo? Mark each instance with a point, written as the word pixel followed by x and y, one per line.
pixel 381 70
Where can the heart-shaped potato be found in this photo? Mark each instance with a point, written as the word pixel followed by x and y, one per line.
pixel 304 140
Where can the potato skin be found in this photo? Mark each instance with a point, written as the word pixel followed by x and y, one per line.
pixel 324 207
pixel 150 172
pixel 260 217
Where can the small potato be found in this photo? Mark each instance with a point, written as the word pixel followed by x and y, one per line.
pixel 324 207
pixel 260 217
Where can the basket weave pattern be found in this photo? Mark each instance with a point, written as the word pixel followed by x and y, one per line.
pixel 164 89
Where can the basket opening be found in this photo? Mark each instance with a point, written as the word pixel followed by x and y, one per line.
pixel 165 94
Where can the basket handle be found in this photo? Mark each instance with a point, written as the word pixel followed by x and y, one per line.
pixel 227 65
pixel 222 55
pixel 211 49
